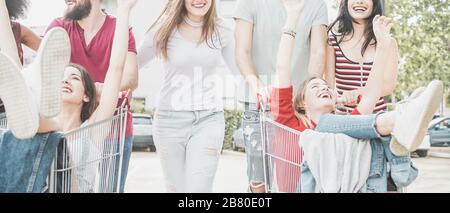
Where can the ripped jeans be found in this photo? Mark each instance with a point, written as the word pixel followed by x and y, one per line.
pixel 253 143
pixel 189 144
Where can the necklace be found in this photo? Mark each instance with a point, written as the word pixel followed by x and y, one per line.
pixel 192 23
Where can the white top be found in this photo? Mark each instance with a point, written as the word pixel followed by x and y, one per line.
pixel 338 163
pixel 191 81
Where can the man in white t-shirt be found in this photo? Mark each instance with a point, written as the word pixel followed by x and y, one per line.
pixel 259 26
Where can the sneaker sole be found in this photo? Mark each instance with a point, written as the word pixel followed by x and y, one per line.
pixel 433 102
pixel 22 117
pixel 55 56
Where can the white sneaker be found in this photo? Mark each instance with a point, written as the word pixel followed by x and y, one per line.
pixel 21 110
pixel 415 94
pixel 413 117
pixel 46 73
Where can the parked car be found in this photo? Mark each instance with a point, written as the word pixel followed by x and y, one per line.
pixel 142 129
pixel 438 135
pixel 439 131
pixel 238 139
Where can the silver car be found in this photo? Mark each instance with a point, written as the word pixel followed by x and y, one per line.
pixel 142 130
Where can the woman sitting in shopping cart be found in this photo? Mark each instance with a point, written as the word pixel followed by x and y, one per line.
pixel 64 91
pixel 399 132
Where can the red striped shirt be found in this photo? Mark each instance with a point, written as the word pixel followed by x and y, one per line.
pixel 350 76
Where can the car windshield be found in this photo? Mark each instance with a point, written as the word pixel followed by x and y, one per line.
pixel 437 121
pixel 142 121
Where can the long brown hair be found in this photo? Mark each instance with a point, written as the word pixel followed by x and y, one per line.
pixel 299 103
pixel 89 107
pixel 172 16
pixel 345 24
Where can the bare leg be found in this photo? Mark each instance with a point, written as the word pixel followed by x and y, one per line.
pixel 47 125
pixel 385 123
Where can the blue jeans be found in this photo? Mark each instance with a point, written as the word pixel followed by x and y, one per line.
pixel 253 143
pixel 25 164
pixel 383 162
pixel 128 149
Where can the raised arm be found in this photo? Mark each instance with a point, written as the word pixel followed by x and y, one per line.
pixel 111 88
pixel 330 69
pixel 7 40
pixel 287 43
pixel 317 62
pixel 130 79
pixel 372 92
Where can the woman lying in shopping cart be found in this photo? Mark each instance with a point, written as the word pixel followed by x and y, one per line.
pixel 396 133
pixel 26 149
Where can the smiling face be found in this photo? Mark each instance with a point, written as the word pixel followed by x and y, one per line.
pixel 360 9
pixel 78 89
pixel 77 9
pixel 197 8
pixel 73 91
pixel 317 96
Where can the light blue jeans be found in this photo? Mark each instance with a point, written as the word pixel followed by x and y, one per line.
pixel 189 145
pixel 253 143
pixel 25 164
pixel 383 162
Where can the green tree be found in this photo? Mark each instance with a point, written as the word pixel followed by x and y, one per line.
pixel 232 120
pixel 422 31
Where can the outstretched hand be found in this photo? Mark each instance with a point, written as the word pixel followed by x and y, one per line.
pixel 382 28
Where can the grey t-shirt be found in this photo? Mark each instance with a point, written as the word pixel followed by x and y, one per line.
pixel 268 18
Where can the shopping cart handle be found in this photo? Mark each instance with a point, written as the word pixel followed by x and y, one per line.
pixel 125 99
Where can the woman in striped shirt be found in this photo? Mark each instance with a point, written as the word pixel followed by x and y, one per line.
pixel 351 54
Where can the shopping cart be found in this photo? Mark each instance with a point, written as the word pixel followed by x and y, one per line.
pixel 283 157
pixel 88 160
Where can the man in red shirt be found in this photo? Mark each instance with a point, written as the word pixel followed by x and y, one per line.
pixel 91 33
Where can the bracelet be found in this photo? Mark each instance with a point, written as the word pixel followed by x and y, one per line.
pixel 290 32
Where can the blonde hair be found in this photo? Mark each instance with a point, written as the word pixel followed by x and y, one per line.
pixel 299 103
pixel 172 16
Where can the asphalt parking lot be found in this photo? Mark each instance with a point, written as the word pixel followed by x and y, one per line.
pixel 145 174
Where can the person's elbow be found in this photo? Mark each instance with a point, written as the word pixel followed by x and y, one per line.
pixel 132 82
pixel 131 73
pixel 241 57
